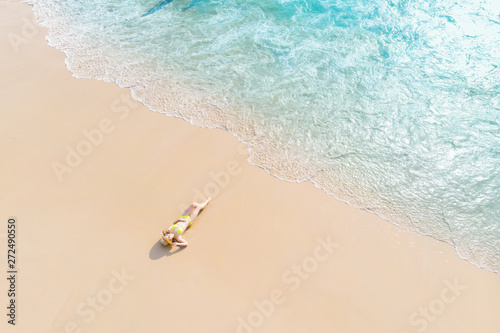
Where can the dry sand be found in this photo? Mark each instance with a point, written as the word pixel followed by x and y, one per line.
pixel 265 256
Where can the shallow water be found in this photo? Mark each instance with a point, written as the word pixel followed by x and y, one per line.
pixel 392 106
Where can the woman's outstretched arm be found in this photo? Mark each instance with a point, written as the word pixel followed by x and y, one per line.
pixel 180 241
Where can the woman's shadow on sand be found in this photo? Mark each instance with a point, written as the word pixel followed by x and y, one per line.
pixel 159 251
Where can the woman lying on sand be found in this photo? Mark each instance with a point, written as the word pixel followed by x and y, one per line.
pixel 173 235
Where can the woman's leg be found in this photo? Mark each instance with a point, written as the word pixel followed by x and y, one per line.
pixel 190 209
pixel 197 209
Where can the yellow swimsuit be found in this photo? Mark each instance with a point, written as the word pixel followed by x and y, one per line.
pixel 178 230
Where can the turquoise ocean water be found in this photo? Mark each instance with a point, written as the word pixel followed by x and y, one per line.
pixel 390 105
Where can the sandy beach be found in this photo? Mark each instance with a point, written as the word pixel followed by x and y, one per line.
pixel 91 176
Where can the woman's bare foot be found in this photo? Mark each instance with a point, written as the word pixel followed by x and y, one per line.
pixel 203 205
